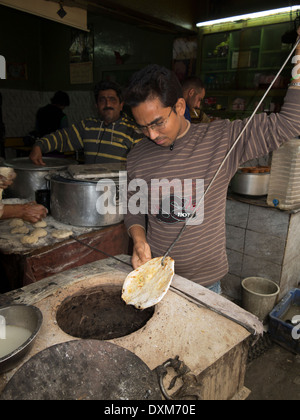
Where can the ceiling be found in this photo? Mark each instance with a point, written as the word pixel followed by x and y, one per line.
pixel 173 16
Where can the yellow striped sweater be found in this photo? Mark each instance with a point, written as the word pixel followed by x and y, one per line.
pixel 101 143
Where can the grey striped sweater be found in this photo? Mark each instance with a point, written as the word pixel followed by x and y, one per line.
pixel 200 255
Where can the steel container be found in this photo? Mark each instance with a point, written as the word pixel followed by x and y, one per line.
pixel 31 178
pixel 251 184
pixel 86 203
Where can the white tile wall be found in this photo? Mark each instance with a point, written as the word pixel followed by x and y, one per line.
pixel 19 109
pixel 261 242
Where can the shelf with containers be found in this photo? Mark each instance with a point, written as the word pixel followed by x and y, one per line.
pixel 238 66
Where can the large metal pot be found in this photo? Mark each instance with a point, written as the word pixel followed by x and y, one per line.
pixel 31 178
pixel 251 184
pixel 86 203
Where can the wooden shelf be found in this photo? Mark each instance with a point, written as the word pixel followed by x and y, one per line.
pixel 262 57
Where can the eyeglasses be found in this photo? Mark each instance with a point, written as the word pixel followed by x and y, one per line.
pixel 104 99
pixel 158 126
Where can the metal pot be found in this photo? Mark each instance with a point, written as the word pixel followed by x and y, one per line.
pixel 252 184
pixel 86 203
pixel 31 178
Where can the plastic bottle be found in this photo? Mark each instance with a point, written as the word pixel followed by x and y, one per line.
pixel 284 186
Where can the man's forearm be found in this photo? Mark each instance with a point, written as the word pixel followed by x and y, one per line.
pixel 137 233
pixel 11 211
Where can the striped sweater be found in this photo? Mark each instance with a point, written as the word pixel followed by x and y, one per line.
pixel 101 143
pixel 200 255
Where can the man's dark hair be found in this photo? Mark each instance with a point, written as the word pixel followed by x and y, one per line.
pixel 60 98
pixel 152 82
pixel 107 85
pixel 193 82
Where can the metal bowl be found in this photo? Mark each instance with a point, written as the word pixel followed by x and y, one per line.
pixel 24 316
pixel 31 178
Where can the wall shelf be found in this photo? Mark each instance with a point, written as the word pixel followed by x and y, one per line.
pixel 241 64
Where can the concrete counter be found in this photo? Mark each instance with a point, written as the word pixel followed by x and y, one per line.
pixel 214 347
pixel 25 264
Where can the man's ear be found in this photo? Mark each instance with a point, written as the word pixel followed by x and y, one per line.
pixel 191 93
pixel 180 107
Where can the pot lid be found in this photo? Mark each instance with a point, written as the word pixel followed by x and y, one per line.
pixel 96 171
pixel 83 369
pixel 51 163
pixel 63 176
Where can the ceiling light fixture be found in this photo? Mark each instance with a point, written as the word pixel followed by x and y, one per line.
pixel 250 16
pixel 61 13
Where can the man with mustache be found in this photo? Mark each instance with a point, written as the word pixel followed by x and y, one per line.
pixel 106 139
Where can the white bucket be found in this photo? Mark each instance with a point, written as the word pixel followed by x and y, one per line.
pixel 259 296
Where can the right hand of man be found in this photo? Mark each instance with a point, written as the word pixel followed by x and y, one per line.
pixel 141 254
pixel 36 156
pixel 141 248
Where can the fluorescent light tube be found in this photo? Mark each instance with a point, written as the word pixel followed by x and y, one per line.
pixel 250 16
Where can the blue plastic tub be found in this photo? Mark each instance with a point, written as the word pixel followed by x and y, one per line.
pixel 281 328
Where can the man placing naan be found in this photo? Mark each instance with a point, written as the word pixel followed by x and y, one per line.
pixel 172 149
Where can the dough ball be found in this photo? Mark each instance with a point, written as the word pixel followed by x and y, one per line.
pixel 7 172
pixel 39 233
pixel 29 240
pixel 20 229
pixel 41 224
pixel 62 234
pixel 16 223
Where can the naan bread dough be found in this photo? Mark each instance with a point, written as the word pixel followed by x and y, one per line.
pixel 20 229
pixel 62 234
pixel 16 223
pixel 29 240
pixel 41 224
pixel 148 284
pixel 40 233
